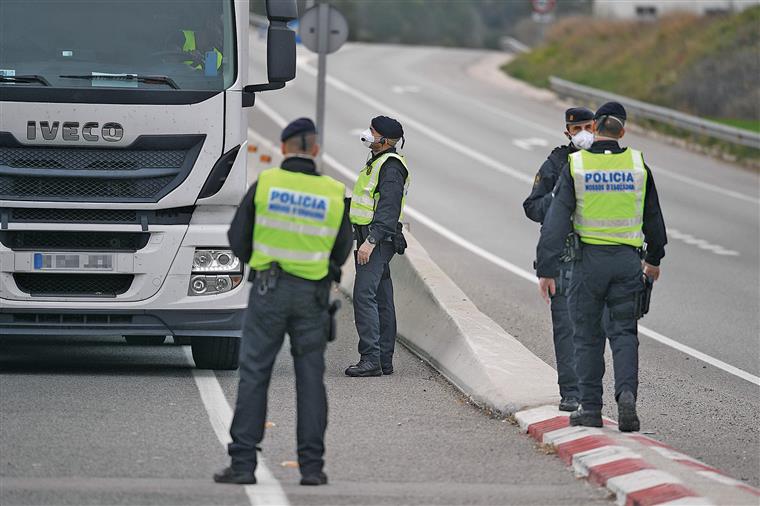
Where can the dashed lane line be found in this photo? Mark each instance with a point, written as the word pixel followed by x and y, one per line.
pixel 700 243
pixel 267 491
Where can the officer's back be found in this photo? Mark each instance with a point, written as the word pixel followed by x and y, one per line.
pixel 293 231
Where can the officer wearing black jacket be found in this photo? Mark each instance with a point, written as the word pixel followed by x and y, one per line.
pixel 292 229
pixel 611 197
pixel 578 125
pixel 376 208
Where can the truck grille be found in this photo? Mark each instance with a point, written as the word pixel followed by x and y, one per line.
pixel 81 189
pixel 73 285
pixel 170 216
pixel 93 159
pixel 74 241
pixel 145 171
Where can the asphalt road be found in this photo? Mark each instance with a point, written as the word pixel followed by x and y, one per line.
pixel 99 422
pixel 474 143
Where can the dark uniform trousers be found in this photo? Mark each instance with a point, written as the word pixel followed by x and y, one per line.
pixel 562 325
pixel 300 308
pixel 374 311
pixel 612 276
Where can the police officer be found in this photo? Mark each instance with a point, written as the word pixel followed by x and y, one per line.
pixel 290 228
pixel 611 197
pixel 578 126
pixel 376 208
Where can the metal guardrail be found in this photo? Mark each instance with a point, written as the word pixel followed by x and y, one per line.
pixel 658 113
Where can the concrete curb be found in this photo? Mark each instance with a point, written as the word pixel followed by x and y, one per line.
pixel 438 322
pixel 634 467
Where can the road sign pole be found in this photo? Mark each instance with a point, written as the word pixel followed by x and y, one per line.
pixel 323 32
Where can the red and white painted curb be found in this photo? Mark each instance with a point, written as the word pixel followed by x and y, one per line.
pixel 637 469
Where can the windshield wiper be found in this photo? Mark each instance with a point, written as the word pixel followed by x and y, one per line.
pixel 128 77
pixel 25 79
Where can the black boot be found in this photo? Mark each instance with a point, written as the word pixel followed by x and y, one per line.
pixel 387 369
pixel 581 417
pixel 628 420
pixel 364 369
pixel 229 475
pixel 315 479
pixel 568 404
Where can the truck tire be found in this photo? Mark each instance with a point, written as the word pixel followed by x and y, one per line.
pixel 145 340
pixel 216 352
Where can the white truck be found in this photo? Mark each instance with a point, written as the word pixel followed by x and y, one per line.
pixel 123 143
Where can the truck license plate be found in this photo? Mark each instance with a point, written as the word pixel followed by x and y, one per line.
pixel 73 261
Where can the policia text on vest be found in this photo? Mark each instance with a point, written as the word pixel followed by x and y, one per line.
pixel 293 230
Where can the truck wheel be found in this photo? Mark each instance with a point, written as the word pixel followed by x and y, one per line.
pixel 145 340
pixel 216 352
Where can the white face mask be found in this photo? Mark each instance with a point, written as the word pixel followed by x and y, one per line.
pixel 367 138
pixel 583 139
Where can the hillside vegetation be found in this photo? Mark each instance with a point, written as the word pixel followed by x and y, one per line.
pixel 707 66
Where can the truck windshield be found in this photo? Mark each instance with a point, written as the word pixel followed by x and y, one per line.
pixel 150 44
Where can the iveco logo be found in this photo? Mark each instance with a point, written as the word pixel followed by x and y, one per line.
pixel 70 131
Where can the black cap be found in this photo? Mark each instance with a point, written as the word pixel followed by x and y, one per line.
pixel 388 127
pixel 300 126
pixel 614 109
pixel 576 115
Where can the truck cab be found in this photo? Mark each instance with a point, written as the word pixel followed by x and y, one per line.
pixel 123 144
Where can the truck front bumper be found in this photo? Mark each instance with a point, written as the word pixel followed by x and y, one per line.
pixel 68 322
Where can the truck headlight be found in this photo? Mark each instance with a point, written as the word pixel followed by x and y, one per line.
pixel 215 260
pixel 214 271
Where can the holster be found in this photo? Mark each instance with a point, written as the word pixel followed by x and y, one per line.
pixel 644 298
pixel 641 302
pixel 572 249
pixel 266 281
pixel 399 241
pixel 332 310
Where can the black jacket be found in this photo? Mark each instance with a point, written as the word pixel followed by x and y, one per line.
pixel 390 186
pixel 537 204
pixel 557 223
pixel 240 233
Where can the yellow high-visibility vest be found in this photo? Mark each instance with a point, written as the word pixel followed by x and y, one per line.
pixel 609 193
pixel 365 197
pixel 298 217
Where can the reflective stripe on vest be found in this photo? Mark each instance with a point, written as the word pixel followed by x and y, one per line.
pixel 609 194
pixel 364 199
pixel 298 217
pixel 189 46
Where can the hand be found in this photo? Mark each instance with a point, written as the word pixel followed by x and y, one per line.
pixel 365 250
pixel 547 287
pixel 651 271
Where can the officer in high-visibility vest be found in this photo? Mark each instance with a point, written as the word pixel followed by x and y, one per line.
pixel 292 230
pixel 610 195
pixel 377 206
pixel 197 44
pixel 578 126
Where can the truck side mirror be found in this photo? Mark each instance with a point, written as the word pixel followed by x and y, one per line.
pixel 281 49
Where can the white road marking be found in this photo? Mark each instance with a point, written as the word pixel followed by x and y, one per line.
pixel 422 128
pixel 530 143
pixel 405 88
pixel 490 162
pixel 267 490
pixel 700 243
pixel 514 269
pixel 705 186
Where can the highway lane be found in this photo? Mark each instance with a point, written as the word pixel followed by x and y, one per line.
pixel 98 422
pixel 470 175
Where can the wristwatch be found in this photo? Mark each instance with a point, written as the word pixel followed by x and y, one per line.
pixel 371 240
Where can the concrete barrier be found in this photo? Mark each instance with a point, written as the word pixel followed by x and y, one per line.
pixel 437 321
